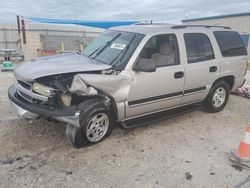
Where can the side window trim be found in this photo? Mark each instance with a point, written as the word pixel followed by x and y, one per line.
pixel 177 49
pixel 201 60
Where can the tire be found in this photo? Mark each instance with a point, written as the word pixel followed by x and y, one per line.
pixel 95 120
pixel 217 97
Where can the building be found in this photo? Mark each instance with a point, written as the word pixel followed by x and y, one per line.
pixel 238 22
pixel 43 37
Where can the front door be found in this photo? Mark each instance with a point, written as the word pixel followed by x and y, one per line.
pixel 162 89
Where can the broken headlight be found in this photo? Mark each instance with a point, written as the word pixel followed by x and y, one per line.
pixel 43 90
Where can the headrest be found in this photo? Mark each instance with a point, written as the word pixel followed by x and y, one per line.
pixel 166 48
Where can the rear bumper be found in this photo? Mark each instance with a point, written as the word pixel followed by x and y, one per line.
pixel 29 110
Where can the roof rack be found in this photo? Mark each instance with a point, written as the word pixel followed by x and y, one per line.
pixel 205 26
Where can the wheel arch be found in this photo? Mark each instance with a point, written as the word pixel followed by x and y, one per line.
pixel 228 79
pixel 112 104
pixel 108 100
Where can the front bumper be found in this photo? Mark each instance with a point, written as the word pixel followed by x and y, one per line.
pixel 30 110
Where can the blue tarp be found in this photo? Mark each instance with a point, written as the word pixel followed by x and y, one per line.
pixel 99 24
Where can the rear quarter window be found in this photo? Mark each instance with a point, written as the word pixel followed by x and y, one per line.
pixel 230 43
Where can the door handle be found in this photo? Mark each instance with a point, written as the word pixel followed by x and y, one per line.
pixel 178 75
pixel 213 69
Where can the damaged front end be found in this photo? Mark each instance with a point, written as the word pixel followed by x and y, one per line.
pixel 58 96
pixel 116 86
pixel 31 100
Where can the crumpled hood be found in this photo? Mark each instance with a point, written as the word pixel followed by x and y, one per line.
pixel 65 63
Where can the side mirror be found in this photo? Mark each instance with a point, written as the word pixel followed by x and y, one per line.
pixel 145 65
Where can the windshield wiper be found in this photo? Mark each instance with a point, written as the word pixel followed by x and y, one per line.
pixel 123 52
pixel 101 48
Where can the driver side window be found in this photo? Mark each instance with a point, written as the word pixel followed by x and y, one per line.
pixel 162 50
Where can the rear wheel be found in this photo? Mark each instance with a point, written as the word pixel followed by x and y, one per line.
pixel 96 123
pixel 217 97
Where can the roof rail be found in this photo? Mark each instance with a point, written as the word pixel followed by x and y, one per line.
pixel 205 26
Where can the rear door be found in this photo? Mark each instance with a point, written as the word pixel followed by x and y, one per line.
pixel 201 68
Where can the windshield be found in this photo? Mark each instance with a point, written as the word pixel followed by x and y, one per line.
pixel 113 48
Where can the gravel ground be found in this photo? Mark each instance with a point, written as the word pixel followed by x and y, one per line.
pixel 190 150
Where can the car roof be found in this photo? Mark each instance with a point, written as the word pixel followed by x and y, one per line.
pixel 156 28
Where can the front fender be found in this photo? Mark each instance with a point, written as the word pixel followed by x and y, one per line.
pixel 118 86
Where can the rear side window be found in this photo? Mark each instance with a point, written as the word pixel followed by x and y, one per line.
pixel 198 47
pixel 230 43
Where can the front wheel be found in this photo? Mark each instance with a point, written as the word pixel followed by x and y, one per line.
pixel 217 97
pixel 96 123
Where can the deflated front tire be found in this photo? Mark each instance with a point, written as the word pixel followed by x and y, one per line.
pixel 96 124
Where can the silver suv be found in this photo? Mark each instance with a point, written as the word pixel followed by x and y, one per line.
pixel 131 74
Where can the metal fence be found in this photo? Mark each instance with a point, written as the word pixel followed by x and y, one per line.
pixel 9 38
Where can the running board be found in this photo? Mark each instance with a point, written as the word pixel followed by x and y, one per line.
pixel 156 117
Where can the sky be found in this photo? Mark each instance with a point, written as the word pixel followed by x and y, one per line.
pixel 171 11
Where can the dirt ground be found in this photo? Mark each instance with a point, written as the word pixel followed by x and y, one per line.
pixel 190 150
